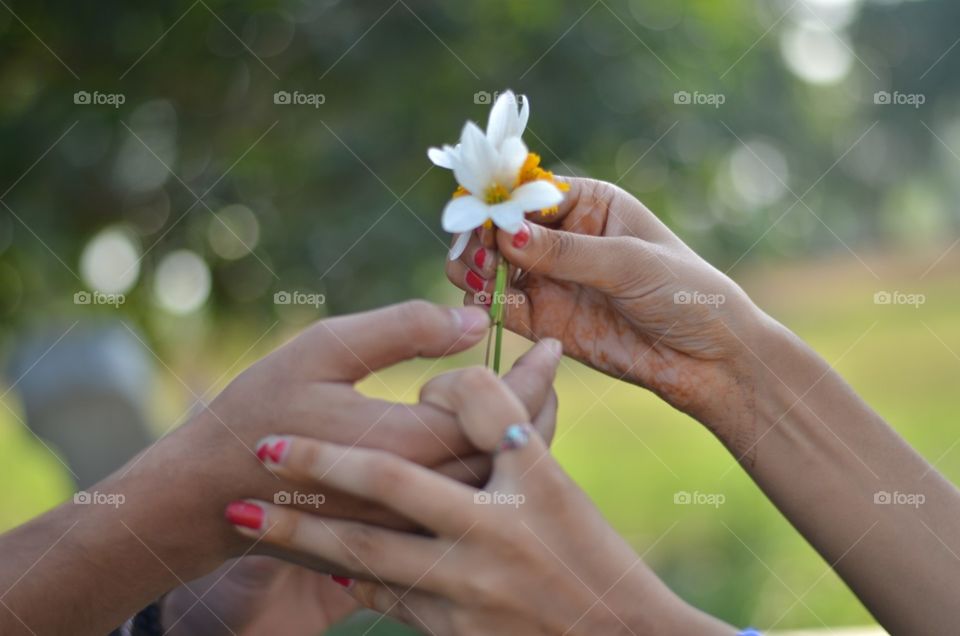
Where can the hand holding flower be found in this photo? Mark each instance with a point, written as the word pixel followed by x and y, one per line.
pixel 624 295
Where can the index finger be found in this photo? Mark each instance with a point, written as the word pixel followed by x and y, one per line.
pixel 348 348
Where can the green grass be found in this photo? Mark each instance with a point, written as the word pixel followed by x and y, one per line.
pixel 631 453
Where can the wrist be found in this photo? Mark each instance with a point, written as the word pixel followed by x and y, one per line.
pixel 171 501
pixel 648 606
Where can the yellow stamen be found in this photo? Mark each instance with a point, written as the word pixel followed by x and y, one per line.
pixel 496 194
pixel 531 171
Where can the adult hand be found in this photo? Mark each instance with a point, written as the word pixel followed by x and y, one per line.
pixel 162 523
pixel 627 297
pixel 262 592
pixel 530 554
pixel 256 595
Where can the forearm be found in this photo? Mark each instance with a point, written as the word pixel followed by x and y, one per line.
pixel 831 464
pixel 86 568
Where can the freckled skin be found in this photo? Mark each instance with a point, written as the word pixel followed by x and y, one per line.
pixel 620 316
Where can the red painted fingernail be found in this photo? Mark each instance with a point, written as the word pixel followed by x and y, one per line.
pixel 272 449
pixel 522 237
pixel 341 580
pixel 480 257
pixel 245 514
pixel 474 282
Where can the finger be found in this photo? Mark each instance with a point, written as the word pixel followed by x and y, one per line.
pixel 493 418
pixel 599 208
pixel 470 280
pixel 605 263
pixel 545 422
pixel 479 293
pixel 348 348
pixel 479 259
pixel 410 606
pixel 473 470
pixel 532 375
pixel 419 432
pixel 358 548
pixel 517 310
pixel 530 381
pixel 417 493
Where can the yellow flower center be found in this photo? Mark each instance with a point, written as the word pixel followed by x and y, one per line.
pixel 530 171
pixel 496 194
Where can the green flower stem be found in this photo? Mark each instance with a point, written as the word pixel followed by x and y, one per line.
pixel 496 311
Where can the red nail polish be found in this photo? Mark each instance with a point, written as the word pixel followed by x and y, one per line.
pixel 480 257
pixel 474 282
pixel 341 580
pixel 272 449
pixel 245 514
pixel 522 237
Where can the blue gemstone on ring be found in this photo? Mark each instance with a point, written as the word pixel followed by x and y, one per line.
pixel 516 436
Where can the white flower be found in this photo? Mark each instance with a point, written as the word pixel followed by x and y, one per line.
pixel 504 122
pixel 488 167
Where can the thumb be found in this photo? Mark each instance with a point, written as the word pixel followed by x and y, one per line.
pixel 595 261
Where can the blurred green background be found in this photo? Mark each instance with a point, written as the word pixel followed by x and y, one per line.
pixel 809 148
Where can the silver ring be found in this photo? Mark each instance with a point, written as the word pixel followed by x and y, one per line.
pixel 516 436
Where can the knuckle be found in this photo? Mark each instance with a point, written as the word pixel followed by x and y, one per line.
pixel 422 319
pixel 303 458
pixel 284 526
pixel 387 474
pixel 563 246
pixel 416 309
pixel 360 547
pixel 477 380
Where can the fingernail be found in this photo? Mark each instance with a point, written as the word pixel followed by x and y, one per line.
pixel 471 320
pixel 245 514
pixel 272 449
pixel 480 257
pixel 474 281
pixel 554 346
pixel 341 580
pixel 522 237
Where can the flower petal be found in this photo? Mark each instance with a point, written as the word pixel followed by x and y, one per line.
pixel 508 216
pixel 464 213
pixel 513 153
pixel 459 245
pixel 536 195
pixel 475 164
pixel 504 122
pixel 524 116
pixel 440 157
